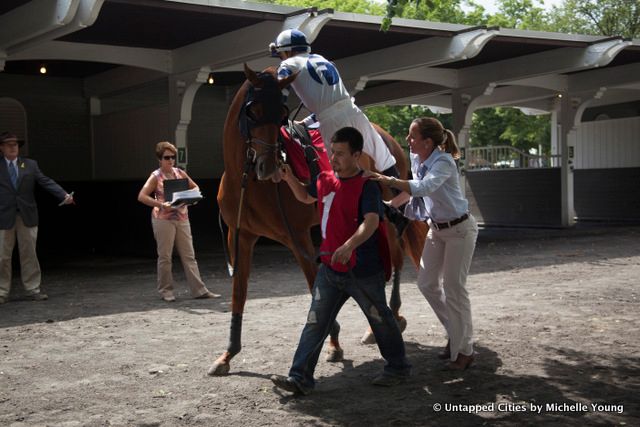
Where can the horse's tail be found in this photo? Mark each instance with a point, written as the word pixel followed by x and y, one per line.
pixel 413 240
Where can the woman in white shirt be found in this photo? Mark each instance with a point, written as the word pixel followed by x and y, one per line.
pixel 435 196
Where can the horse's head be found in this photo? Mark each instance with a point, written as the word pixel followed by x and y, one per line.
pixel 264 111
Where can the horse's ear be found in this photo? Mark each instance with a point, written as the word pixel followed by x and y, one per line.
pixel 251 75
pixel 282 83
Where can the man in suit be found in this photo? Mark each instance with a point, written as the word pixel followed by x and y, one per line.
pixel 19 216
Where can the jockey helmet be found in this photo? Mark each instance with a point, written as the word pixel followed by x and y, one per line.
pixel 290 40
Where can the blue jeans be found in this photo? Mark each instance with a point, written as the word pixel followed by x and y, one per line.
pixel 330 292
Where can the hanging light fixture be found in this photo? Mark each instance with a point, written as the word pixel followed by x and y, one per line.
pixel 43 69
pixel 210 79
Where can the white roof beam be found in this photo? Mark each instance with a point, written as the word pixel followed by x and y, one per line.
pixel 557 82
pixel 86 15
pixel 393 92
pixel 425 74
pixel 34 19
pixel 310 22
pixel 556 61
pixel 153 59
pixel 512 95
pixel 227 50
pixel 441 101
pixel 431 51
pixel 622 75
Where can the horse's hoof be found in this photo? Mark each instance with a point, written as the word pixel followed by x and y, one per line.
pixel 335 355
pixel 402 323
pixel 368 338
pixel 219 369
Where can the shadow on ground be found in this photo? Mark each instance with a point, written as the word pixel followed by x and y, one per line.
pixel 348 399
pixel 95 286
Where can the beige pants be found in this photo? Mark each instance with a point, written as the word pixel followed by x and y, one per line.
pixel 168 233
pixel 29 265
pixel 442 279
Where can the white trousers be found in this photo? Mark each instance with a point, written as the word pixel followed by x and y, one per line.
pixel 346 113
pixel 442 279
pixel 29 265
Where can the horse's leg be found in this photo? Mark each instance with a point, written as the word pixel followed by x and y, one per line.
pixel 246 242
pixel 397 260
pixel 394 300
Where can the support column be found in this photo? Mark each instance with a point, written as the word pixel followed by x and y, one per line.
pixel 461 123
pixel 182 92
pixel 566 108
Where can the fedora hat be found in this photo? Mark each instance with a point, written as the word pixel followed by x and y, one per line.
pixel 8 136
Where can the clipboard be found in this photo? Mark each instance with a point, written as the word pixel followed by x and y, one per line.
pixel 174 185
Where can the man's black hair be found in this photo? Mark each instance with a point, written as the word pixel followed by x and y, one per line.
pixel 350 135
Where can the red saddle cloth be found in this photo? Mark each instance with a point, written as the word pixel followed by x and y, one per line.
pixel 295 153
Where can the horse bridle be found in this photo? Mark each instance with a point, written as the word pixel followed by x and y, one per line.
pixel 274 112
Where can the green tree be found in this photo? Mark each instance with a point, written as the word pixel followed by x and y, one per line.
pixel 603 17
pixel 490 126
pixel 396 119
pixel 510 126
pixel 519 14
pixel 353 6
pixel 449 11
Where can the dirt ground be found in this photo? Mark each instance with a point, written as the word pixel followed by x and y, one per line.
pixel 555 315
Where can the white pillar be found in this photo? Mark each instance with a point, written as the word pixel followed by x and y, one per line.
pixel 566 109
pixel 461 123
pixel 182 92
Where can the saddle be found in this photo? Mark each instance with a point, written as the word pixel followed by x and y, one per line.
pixel 304 151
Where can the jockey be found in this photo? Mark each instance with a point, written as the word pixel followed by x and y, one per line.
pixel 320 88
pixel 322 91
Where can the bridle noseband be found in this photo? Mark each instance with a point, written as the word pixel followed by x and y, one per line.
pixel 273 111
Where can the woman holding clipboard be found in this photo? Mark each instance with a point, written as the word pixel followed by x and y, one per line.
pixel 171 225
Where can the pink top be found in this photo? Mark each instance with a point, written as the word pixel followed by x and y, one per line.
pixel 180 214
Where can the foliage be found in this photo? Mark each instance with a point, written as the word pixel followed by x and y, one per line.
pixel 396 119
pixel 602 17
pixel 493 126
pixel 449 11
pixel 520 14
pixel 353 6
pixel 510 126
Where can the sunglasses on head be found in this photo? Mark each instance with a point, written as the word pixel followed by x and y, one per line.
pixel 169 157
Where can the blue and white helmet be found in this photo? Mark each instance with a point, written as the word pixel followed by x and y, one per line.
pixel 290 40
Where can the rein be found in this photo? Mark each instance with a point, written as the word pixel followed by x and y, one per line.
pixel 231 267
pixel 265 96
pixel 246 122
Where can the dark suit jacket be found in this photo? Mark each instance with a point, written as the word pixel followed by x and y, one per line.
pixel 23 199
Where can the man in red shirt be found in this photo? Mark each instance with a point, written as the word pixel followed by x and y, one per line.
pixel 354 254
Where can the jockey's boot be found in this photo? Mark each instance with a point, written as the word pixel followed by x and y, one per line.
pixel 396 218
pixel 394 214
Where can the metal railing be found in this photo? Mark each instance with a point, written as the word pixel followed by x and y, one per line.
pixel 505 156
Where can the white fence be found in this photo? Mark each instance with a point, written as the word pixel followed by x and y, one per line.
pixel 505 156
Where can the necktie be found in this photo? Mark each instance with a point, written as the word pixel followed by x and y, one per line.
pixel 13 173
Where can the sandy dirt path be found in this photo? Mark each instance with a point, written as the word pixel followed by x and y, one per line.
pixel 555 315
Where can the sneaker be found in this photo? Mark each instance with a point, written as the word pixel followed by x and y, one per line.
pixel 388 380
pixel 208 295
pixel 38 297
pixel 288 384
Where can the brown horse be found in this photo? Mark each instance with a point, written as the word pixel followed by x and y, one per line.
pixel 252 205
